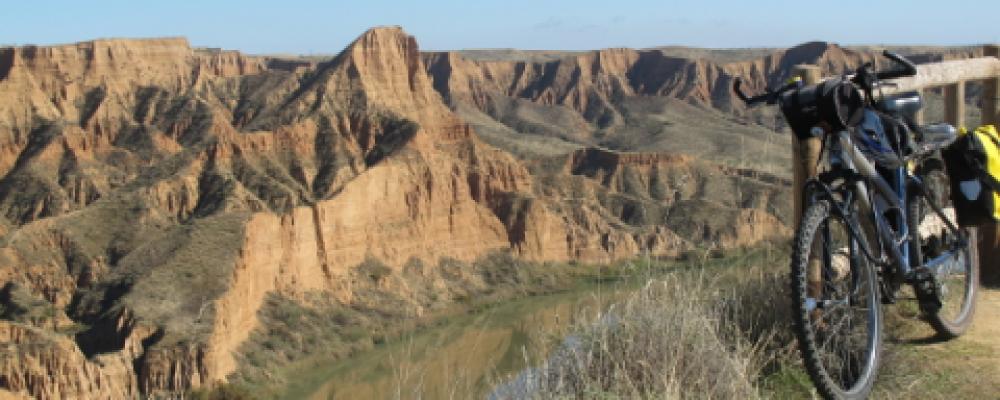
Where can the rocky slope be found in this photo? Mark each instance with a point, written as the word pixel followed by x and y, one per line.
pixel 593 83
pixel 669 99
pixel 152 196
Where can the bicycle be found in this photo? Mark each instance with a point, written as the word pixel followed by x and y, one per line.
pixel 879 217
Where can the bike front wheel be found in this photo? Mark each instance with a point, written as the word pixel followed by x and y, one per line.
pixel 836 304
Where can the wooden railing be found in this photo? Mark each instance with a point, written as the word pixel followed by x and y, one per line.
pixel 951 76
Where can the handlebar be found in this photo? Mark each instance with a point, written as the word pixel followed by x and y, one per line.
pixel 769 96
pixel 865 77
pixel 908 68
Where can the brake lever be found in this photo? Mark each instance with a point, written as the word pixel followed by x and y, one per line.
pixel 909 69
pixel 794 83
pixel 769 96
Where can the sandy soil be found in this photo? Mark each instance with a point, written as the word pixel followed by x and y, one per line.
pixel 964 368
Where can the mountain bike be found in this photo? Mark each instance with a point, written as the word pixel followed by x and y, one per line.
pixel 879 217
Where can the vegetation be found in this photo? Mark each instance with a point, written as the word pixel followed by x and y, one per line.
pixel 388 304
pixel 710 331
pixel 722 331
pixel 709 325
pixel 20 305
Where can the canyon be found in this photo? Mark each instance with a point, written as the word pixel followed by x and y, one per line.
pixel 154 195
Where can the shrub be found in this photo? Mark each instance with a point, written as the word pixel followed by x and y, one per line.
pixel 680 336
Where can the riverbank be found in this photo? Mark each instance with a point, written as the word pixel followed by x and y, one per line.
pixel 301 336
pixel 725 308
pixel 463 356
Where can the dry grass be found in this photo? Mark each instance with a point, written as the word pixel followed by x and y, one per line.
pixel 713 332
pixel 722 330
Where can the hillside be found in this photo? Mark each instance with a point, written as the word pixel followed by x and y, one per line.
pixel 154 197
pixel 671 99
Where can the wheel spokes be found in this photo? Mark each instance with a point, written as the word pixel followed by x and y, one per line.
pixel 841 311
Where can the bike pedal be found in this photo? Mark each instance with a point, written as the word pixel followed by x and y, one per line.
pixel 930 307
pixel 928 296
pixel 919 275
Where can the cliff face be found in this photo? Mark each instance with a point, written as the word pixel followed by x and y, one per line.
pixel 152 195
pixel 44 364
pixel 703 203
pixel 659 100
pixel 594 83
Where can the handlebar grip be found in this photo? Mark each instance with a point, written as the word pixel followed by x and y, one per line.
pixel 909 69
pixel 749 101
pixel 737 82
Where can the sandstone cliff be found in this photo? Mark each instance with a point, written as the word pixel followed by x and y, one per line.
pixel 152 195
pixel 593 83
pixel 669 99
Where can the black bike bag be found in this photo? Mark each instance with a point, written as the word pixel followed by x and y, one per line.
pixel 973 164
pixel 835 104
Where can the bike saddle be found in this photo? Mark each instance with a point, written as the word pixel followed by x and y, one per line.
pixel 907 104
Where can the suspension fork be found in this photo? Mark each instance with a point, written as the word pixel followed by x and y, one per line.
pixel 822 191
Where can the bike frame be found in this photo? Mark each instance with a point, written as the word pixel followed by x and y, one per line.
pixel 860 174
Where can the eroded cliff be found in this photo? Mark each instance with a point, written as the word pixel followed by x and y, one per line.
pixel 154 195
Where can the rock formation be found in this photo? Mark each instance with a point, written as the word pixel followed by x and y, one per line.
pixel 152 195
pixel 591 83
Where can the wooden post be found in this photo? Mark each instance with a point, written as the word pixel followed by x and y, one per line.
pixel 989 245
pixel 991 91
pixel 805 153
pixel 954 104
pixel 805 157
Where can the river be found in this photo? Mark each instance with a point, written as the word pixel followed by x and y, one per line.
pixel 461 357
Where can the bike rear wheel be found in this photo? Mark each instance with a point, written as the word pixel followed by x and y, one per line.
pixel 956 281
pixel 836 304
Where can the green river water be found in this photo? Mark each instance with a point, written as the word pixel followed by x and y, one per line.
pixel 462 357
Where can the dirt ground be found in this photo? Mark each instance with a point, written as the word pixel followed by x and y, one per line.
pixel 917 366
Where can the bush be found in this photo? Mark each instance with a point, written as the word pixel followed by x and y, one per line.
pixel 678 337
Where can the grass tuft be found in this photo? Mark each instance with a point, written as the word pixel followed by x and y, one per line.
pixel 678 337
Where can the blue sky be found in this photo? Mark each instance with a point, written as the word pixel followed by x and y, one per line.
pixel 308 26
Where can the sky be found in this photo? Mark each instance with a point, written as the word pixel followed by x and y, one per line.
pixel 326 27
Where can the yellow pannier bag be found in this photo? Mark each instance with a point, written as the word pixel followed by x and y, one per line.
pixel 973 164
